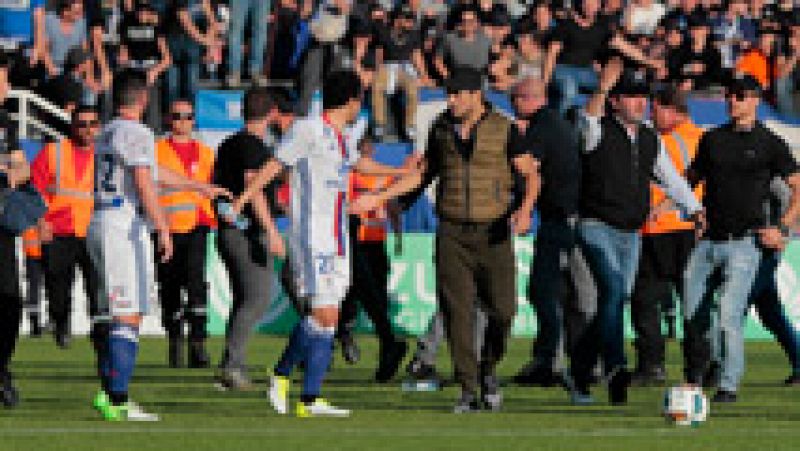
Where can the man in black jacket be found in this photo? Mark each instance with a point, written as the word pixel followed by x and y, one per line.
pixel 621 157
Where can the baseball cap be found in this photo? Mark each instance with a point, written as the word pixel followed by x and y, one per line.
pixel 631 83
pixel 464 79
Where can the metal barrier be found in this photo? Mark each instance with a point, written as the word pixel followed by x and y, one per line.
pixel 26 120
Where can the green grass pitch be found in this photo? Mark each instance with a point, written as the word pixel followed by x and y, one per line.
pixel 57 387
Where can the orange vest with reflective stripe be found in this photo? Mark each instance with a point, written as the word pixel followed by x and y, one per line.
pixel 31 243
pixel 67 192
pixel 183 207
pixel 681 144
pixel 373 224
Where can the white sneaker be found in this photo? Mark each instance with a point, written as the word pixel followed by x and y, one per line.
pixel 279 394
pixel 134 412
pixel 320 408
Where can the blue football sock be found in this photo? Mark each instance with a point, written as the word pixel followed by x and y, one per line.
pixel 295 350
pixel 123 348
pixel 318 357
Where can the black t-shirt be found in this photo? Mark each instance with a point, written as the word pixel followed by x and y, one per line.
pixel 140 39
pixel 237 154
pixel 398 47
pixel 737 168
pixel 582 46
pixel 711 59
pixel 552 141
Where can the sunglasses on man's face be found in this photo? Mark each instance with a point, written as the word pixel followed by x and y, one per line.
pixel 182 116
pixel 86 124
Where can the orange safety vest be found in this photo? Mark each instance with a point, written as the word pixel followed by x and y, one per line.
pixel 681 145
pixel 373 224
pixel 31 243
pixel 183 207
pixel 65 192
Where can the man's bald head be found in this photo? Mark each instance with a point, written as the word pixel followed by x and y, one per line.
pixel 530 95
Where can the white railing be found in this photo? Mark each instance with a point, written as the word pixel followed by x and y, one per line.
pixel 29 99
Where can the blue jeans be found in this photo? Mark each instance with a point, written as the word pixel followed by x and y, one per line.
pixel 567 82
pixel 549 281
pixel 258 9
pixel 764 296
pixel 613 258
pixel 184 73
pixel 736 262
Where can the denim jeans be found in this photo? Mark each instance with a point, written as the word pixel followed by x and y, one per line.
pixel 239 10
pixel 184 73
pixel 548 288
pixel 736 262
pixel 613 258
pixel 764 297
pixel 567 82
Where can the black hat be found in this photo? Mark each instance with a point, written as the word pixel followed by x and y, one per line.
pixel 631 83
pixel 144 5
pixel 741 83
pixel 697 21
pixel 499 16
pixel 464 79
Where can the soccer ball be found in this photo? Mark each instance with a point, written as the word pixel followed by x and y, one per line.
pixel 685 405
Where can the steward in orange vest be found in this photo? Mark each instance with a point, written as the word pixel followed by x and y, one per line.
pixel 190 218
pixel 63 172
pixel 32 247
pixel 370 278
pixel 667 240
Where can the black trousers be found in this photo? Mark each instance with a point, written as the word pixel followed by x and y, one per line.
pixel 10 299
pixel 34 272
pixel 369 287
pixel 186 271
pixel 60 258
pixel 661 265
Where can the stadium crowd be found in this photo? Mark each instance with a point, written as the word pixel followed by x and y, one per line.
pixel 632 210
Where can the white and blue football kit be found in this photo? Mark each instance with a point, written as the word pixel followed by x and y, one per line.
pixel 119 235
pixel 321 160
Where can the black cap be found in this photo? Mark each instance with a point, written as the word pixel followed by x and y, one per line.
pixel 697 21
pixel 631 83
pixel 404 12
pixel 144 5
pixel 499 16
pixel 741 83
pixel 464 79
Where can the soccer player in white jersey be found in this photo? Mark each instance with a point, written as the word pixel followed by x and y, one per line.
pixel 126 207
pixel 320 158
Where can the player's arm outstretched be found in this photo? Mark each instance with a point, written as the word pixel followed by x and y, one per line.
pixel 409 177
pixel 168 178
pixel 147 194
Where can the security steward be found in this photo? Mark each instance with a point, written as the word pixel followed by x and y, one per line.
pixel 63 172
pixel 190 217
pixel 621 157
pixel 34 273
pixel 370 284
pixel 470 152
pixel 667 240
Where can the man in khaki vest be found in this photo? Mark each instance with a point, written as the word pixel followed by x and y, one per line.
pixel 473 151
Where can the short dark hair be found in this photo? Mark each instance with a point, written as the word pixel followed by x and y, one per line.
pixel 339 88
pixel 128 86
pixel 5 61
pixel 257 104
pixel 83 108
pixel 673 97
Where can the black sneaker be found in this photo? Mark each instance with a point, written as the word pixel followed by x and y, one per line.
pixel 467 403
pixel 650 377
pixel 537 376
pixel 618 387
pixel 390 359
pixel 350 351
pixel 418 370
pixel 724 396
pixel 198 357
pixel 9 395
pixel 793 379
